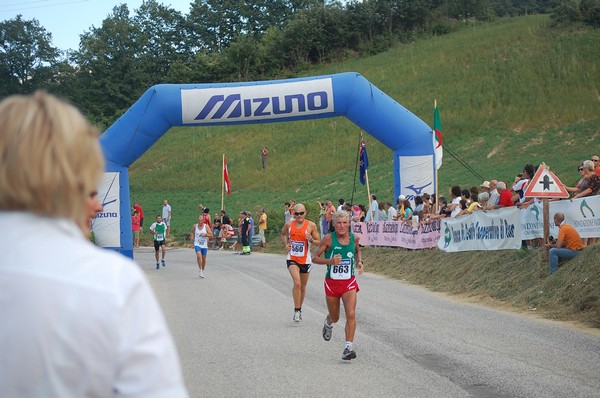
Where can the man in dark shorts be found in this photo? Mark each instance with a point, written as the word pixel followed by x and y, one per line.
pixel 340 251
pixel 159 230
pixel 297 236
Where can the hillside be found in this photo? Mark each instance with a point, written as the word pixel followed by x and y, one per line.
pixel 510 92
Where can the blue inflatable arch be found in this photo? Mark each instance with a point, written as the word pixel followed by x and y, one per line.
pixel 166 105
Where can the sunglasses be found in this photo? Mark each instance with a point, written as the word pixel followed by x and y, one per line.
pixel 580 169
pixel 595 160
pixel 298 213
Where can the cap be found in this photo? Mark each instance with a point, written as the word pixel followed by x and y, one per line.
pixel 401 197
pixel 486 184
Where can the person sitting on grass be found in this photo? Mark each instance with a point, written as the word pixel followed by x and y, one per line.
pixel 568 244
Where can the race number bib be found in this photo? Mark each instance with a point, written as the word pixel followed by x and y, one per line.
pixel 160 236
pixel 201 241
pixel 297 249
pixel 342 271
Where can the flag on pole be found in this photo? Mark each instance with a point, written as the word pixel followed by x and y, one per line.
pixel 437 136
pixel 226 177
pixel 364 161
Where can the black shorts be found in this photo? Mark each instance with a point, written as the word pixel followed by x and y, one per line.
pixel 304 268
pixel 158 244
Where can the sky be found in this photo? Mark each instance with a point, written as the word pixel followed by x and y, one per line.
pixel 67 19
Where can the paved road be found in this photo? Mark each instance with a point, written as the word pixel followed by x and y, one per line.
pixel 235 337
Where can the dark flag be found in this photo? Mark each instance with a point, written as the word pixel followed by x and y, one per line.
pixel 364 162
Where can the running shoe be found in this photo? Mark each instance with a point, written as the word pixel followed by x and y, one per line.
pixel 348 354
pixel 201 273
pixel 157 266
pixel 297 316
pixel 327 331
pixel 163 263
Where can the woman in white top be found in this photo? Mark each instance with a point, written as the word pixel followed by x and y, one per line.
pixel 82 322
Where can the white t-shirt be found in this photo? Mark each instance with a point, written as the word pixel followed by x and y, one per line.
pixel 78 320
pixel 392 214
pixel 457 209
pixel 165 212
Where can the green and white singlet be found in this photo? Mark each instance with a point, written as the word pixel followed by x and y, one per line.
pixel 345 269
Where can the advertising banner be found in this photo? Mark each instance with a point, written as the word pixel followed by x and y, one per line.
pixel 495 230
pixel 583 214
pixel 397 234
pixel 106 226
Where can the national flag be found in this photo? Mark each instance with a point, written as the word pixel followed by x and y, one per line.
pixel 364 161
pixel 226 177
pixel 437 137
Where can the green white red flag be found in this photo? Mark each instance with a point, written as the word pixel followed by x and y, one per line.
pixel 437 137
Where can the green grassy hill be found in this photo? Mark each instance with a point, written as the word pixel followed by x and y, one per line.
pixel 510 92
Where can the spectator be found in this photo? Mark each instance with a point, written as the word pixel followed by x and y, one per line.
pixel 363 212
pixel 262 226
pixel 216 229
pixel 591 182
pixel 568 244
pixel 140 211
pixel 596 161
pixel 494 195
pixel 135 228
pixel 408 211
pixel 264 154
pixel 400 206
pixel 341 204
pixel 84 323
pixel 356 213
pixel 521 182
pixel 454 205
pixel 373 211
pixel 465 194
pixel 482 200
pixel 392 213
pixel 382 212
pixel 329 210
pixel 505 199
pixel 485 187
pixel 418 205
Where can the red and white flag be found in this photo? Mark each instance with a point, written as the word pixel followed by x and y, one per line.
pixel 226 177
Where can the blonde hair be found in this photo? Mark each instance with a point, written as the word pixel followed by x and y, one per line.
pixel 50 154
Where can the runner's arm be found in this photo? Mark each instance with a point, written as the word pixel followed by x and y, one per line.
pixel 361 266
pixel 324 244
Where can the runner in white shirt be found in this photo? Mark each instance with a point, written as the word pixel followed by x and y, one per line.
pixel 200 233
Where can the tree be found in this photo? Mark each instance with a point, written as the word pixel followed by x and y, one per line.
pixel 27 56
pixel 111 73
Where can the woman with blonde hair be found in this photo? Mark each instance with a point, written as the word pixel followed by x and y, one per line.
pixel 83 321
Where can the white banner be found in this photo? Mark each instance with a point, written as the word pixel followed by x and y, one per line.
pixel 416 176
pixel 106 226
pixel 583 214
pixel 257 101
pixel 494 230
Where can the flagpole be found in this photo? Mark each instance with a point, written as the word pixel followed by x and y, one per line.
pixel 223 184
pixel 437 195
pixel 368 189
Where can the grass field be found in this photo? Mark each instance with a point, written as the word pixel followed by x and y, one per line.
pixel 511 92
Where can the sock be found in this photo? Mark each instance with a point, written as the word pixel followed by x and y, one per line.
pixel 348 344
pixel 329 325
pixel 298 309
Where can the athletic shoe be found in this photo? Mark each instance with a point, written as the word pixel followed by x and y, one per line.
pixel 327 331
pixel 297 316
pixel 201 273
pixel 163 263
pixel 157 266
pixel 348 354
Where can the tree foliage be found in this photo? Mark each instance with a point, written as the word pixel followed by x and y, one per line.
pixel 229 40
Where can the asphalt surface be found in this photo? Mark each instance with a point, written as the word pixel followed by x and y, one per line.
pixel 235 336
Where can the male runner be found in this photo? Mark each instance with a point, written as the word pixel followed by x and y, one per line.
pixel 159 230
pixel 297 236
pixel 340 251
pixel 201 234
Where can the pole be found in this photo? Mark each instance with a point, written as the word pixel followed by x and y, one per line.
pixel 437 195
pixel 368 193
pixel 223 184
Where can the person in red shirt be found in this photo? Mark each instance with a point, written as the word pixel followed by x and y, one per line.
pixel 138 208
pixel 505 196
